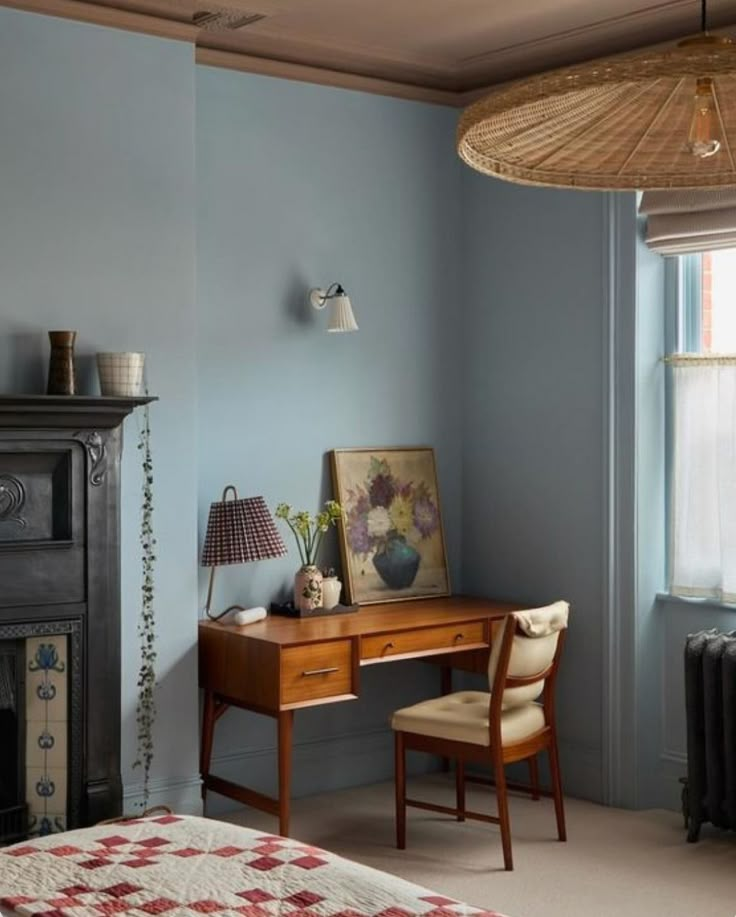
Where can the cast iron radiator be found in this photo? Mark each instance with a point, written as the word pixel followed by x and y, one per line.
pixel 709 794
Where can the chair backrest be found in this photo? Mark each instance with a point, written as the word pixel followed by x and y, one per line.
pixel 524 653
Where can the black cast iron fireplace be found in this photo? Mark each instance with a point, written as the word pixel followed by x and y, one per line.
pixel 13 808
pixel 59 612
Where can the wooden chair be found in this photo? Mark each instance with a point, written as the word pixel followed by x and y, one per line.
pixel 499 728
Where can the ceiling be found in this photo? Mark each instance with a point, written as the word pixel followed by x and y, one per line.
pixel 454 47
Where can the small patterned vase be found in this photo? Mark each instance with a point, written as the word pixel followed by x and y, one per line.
pixel 308 588
pixel 331 589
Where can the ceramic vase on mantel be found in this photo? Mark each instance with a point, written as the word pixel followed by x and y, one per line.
pixel 121 374
pixel 308 588
pixel 62 377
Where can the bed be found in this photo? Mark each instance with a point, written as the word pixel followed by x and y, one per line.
pixel 182 866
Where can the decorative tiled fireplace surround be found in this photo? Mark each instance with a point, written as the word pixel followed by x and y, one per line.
pixel 51 715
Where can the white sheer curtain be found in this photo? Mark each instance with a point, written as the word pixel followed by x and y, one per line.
pixel 703 521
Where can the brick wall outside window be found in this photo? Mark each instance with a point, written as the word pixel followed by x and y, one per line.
pixel 707 302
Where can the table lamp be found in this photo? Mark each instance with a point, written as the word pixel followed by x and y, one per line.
pixel 238 531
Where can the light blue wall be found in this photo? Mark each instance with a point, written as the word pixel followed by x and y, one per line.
pixel 484 314
pixel 650 520
pixel 97 234
pixel 299 186
pixel 533 427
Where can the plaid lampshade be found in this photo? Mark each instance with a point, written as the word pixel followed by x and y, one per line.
pixel 239 531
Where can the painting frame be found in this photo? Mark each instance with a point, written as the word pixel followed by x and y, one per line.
pixel 391 499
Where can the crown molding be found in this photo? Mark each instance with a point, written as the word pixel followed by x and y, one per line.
pixel 322 51
pixel 400 76
pixel 108 16
pixel 231 60
pixel 643 17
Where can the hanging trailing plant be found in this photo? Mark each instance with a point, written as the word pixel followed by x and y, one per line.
pixel 146 707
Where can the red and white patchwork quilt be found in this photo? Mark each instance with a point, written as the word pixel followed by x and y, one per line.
pixel 182 866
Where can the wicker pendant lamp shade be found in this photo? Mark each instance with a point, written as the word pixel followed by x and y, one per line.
pixel 618 124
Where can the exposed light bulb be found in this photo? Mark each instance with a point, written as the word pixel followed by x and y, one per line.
pixel 704 139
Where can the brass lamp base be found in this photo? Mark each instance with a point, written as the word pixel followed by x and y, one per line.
pixel 209 601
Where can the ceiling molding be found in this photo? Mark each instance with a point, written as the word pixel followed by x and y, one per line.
pixel 346 57
pixel 212 57
pixel 654 25
pixel 435 67
pixel 579 32
pixel 108 16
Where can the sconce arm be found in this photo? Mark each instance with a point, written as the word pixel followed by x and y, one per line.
pixel 318 298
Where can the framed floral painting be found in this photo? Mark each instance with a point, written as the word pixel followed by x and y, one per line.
pixel 391 537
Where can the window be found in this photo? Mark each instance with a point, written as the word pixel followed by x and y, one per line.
pixel 707 313
pixel 702 561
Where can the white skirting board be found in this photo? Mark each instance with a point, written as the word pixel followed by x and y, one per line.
pixel 182 795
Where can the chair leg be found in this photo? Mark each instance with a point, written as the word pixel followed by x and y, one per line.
pixel 534 777
pixel 400 783
pixel 503 810
pixel 554 766
pixel 460 789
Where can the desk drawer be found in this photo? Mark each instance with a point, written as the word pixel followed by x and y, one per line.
pixel 424 641
pixel 316 671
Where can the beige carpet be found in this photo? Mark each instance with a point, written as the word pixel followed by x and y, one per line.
pixel 615 864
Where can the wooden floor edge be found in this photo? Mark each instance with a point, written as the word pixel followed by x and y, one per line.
pixel 108 16
pixel 248 63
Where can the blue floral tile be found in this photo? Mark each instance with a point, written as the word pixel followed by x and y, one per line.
pixel 46 744
pixel 47 731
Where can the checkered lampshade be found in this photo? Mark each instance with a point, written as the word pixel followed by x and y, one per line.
pixel 239 531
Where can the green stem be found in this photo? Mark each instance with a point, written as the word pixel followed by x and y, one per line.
pixel 312 552
pixel 298 541
pixel 318 541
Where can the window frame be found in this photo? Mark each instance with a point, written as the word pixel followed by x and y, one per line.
pixel 682 334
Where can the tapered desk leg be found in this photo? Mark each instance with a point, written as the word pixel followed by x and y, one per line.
pixel 446 688
pixel 208 731
pixel 285 729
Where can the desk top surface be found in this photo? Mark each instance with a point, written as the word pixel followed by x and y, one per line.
pixel 371 619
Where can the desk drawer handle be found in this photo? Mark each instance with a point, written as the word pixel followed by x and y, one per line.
pixel 388 646
pixel 458 637
pixel 328 671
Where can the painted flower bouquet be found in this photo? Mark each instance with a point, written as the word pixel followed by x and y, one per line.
pixel 389 517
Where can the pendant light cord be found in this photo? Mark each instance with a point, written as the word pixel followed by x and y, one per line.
pixel 703 18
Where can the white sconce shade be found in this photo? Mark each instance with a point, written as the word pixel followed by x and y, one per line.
pixel 341 311
pixel 341 315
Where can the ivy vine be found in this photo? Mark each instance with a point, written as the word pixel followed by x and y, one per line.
pixel 146 707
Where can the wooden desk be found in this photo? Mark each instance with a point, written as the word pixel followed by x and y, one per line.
pixel 280 665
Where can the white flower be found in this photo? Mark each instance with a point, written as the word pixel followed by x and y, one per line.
pixel 379 522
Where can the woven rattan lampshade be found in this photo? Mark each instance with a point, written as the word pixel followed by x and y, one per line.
pixel 616 124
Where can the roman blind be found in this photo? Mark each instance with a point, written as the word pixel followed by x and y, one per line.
pixel 679 222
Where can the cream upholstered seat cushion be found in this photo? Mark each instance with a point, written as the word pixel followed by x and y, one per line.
pixel 463 717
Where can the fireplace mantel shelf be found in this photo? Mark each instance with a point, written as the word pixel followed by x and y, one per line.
pixel 67 410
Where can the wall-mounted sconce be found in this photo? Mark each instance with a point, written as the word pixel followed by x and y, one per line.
pixel 341 312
